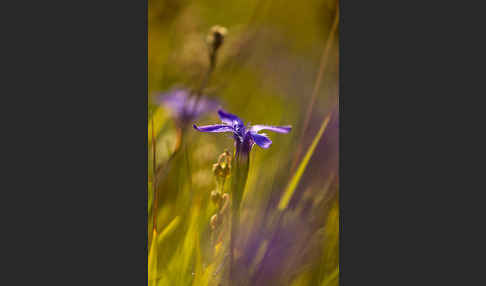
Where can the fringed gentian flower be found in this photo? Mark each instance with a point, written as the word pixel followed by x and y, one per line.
pixel 245 137
pixel 186 107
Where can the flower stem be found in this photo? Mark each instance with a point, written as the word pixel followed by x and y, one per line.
pixel 238 182
pixel 235 217
pixel 205 81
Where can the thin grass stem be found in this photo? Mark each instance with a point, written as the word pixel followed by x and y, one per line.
pixel 317 85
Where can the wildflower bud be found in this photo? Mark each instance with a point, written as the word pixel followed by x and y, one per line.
pixel 225 198
pixel 216 197
pixel 222 168
pixel 216 36
pixel 217 170
pixel 215 221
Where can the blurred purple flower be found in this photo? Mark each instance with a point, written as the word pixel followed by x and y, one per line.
pixel 184 106
pixel 245 136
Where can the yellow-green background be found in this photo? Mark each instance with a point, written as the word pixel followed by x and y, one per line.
pixel 266 72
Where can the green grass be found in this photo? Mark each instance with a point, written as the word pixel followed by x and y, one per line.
pixel 289 191
pixel 267 66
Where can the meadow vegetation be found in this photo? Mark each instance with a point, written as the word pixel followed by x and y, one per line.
pixel 232 208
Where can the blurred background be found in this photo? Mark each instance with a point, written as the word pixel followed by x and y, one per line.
pixel 278 65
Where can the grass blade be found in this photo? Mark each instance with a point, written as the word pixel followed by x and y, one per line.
pixel 159 117
pixel 169 229
pixel 152 260
pixel 332 277
pixel 294 182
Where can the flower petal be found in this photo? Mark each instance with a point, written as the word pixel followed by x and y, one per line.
pixel 229 118
pixel 279 129
pixel 195 107
pixel 261 140
pixel 174 100
pixel 213 128
pixel 185 106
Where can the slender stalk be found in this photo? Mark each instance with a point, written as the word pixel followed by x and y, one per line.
pixel 207 76
pixel 159 172
pixel 178 146
pixel 238 182
pixel 235 223
pixel 205 80
pixel 317 85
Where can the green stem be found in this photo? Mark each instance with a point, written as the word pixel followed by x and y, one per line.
pixel 238 182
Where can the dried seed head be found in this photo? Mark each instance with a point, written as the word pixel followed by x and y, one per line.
pixel 216 36
pixel 216 197
pixel 225 157
pixel 222 168
pixel 225 198
pixel 215 221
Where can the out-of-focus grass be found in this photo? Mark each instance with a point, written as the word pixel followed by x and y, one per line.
pixel 287 195
pixel 265 73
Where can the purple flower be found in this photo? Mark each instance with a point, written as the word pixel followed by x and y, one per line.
pixel 245 136
pixel 184 106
